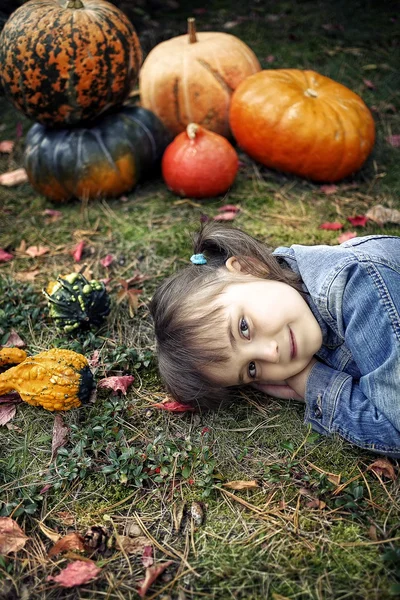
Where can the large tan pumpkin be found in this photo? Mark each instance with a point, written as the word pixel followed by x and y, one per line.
pixel 303 123
pixel 191 78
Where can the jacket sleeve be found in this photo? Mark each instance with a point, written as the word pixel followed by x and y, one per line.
pixel 364 302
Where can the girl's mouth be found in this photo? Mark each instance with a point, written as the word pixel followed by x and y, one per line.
pixel 293 347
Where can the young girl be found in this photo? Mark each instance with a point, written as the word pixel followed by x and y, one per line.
pixel 314 323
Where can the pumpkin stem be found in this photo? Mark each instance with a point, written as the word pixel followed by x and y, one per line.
pixel 191 130
pixel 311 93
pixel 192 30
pixel 75 4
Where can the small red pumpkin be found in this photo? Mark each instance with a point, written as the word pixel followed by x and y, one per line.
pixel 199 163
pixel 303 123
pixel 62 62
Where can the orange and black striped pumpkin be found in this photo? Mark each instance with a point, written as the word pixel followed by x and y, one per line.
pixel 66 61
pixel 103 159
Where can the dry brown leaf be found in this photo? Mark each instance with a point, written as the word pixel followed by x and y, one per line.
pixel 132 545
pixel 383 467
pixel 381 215
pixel 66 517
pixel 372 533
pixel 13 177
pixel 60 436
pixel 35 251
pixel 71 541
pixel 12 538
pixel 27 275
pixel 197 513
pixel 14 340
pixel 241 485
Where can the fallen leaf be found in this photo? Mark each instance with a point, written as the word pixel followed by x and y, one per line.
pixel 45 488
pixel 27 275
pixel 348 235
pixel 5 256
pixel 54 536
pixel 117 383
pixel 66 517
pixel 368 83
pixel 132 296
pixel 94 360
pixel 173 406
pixel 14 341
pixel 197 513
pixel 132 545
pixel 394 140
pixel 331 226
pixel 270 58
pixel 328 189
pixel 147 556
pixel 6 146
pixel 225 216
pixel 13 177
pixel 381 215
pixel 71 541
pixel 372 533
pixel 77 251
pixel 107 260
pixel 358 220
pixel 54 215
pixel 382 466
pixel 7 413
pixel 35 251
pixel 60 436
pixel 12 538
pixel 11 398
pixel 151 575
pixel 76 573
pixel 241 485
pixel 229 208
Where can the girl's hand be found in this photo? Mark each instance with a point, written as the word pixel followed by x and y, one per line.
pixel 278 389
pixel 298 382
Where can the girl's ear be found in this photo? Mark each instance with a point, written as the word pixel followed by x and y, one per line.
pixel 233 265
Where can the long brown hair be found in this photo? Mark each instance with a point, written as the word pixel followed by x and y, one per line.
pixel 185 310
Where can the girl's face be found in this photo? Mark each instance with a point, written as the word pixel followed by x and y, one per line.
pixel 271 333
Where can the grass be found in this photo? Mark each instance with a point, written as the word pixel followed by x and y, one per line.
pixel 130 467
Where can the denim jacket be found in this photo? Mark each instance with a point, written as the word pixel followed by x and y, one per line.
pixel 353 291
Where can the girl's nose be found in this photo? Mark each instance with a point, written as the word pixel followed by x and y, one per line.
pixel 270 351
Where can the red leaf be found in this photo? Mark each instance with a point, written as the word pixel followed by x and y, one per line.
pixel 13 177
pixel 107 260
pixel 368 83
pixel 6 146
pixel 329 189
pixel 147 556
pixel 120 383
pixel 7 413
pixel 226 216
pixel 5 256
pixel 60 435
pixel 358 220
pixel 151 575
pixel 394 140
pixel 14 341
pixel 12 538
pixel 229 208
pixel 332 226
pixel 77 251
pixel 348 235
pixel 77 573
pixel 174 406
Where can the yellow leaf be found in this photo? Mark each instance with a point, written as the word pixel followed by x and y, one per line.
pixel 241 485
pixel 50 533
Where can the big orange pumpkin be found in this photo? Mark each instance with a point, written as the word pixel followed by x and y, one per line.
pixel 302 123
pixel 66 62
pixel 190 78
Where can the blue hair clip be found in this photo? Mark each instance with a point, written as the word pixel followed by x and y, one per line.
pixel 198 259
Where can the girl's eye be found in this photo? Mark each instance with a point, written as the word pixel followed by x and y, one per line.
pixel 244 328
pixel 252 370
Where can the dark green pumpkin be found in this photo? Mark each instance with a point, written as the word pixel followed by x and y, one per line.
pixel 104 159
pixel 76 303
